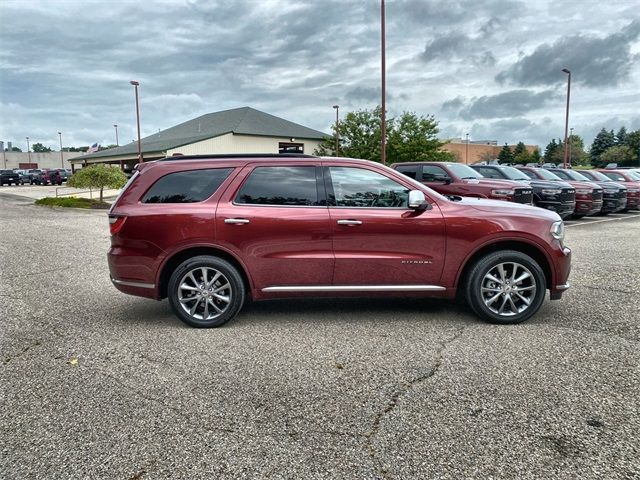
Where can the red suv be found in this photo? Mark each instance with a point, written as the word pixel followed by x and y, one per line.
pixel 629 179
pixel 458 179
pixel 209 231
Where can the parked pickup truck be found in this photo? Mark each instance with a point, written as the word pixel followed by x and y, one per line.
pixel 458 179
pixel 588 194
pixel 614 194
pixel 9 177
pixel 557 196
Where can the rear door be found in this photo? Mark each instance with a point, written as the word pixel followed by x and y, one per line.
pixel 274 217
pixel 377 239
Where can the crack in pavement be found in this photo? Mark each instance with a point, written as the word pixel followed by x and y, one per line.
pixel 605 289
pixel 395 399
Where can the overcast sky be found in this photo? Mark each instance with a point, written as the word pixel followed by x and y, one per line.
pixel 489 68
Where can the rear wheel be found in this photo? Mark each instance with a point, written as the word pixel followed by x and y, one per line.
pixel 206 291
pixel 505 287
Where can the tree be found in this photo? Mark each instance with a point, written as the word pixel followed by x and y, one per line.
pixel 15 149
pixel 536 157
pixel 98 176
pixel 603 141
pixel 620 154
pixel 505 155
pixel 521 155
pixel 621 136
pixel 633 142
pixel 576 152
pixel 409 138
pixel 552 151
pixel 39 148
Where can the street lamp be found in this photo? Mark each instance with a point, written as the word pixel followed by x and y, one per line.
pixel 116 127
pixel 383 126
pixel 29 151
pixel 466 153
pixel 61 157
pixel 135 86
pixel 337 107
pixel 566 118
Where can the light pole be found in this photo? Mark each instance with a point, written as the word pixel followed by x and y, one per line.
pixel 61 157
pixel 566 118
pixel 570 142
pixel 116 127
pixel 337 107
pixel 135 86
pixel 466 153
pixel 29 151
pixel 383 125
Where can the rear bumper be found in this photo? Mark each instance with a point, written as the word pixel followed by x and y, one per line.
pixel 132 271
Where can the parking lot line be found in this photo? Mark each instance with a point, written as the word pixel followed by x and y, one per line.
pixel 604 220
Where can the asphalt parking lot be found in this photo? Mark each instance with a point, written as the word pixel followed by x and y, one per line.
pixel 97 384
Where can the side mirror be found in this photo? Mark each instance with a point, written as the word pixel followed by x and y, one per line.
pixel 417 200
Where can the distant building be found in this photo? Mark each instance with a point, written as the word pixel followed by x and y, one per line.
pixel 240 130
pixel 478 150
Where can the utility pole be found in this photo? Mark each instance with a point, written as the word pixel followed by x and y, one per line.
pixel 383 122
pixel 337 107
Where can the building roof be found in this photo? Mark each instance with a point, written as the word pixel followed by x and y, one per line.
pixel 240 121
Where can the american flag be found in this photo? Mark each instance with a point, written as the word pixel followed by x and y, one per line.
pixel 93 148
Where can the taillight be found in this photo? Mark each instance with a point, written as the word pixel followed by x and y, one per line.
pixel 116 223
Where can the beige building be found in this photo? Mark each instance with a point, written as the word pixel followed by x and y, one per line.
pixel 477 151
pixel 25 160
pixel 240 130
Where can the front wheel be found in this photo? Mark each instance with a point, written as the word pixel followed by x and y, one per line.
pixel 206 291
pixel 505 287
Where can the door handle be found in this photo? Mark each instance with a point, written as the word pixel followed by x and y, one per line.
pixel 236 221
pixel 349 222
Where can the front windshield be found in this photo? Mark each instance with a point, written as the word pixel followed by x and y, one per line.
pixel 547 175
pixel 578 177
pixel 596 176
pixel 634 175
pixel 513 174
pixel 615 176
pixel 463 171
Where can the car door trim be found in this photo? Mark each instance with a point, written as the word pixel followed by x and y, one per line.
pixel 356 288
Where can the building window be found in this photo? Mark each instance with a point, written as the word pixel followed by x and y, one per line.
pixel 288 147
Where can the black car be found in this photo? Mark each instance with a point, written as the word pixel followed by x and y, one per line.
pixel 614 194
pixel 557 196
pixel 9 177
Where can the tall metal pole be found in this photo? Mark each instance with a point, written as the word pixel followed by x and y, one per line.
pixel 466 153
pixel 61 157
pixel 566 119
pixel 135 86
pixel 116 127
pixel 383 123
pixel 570 142
pixel 337 130
pixel 29 151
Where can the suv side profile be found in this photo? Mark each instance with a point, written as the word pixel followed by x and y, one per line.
pixel 209 231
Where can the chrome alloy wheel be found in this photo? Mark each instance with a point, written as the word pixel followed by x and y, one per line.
pixel 508 289
pixel 204 293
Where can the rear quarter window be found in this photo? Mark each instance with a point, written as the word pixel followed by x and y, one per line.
pixel 186 187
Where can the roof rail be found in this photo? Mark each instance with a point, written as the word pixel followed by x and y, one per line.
pixel 236 155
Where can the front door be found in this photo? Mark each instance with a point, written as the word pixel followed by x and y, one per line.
pixel 377 239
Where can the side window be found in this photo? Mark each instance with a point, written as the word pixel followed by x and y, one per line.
pixel 290 186
pixel 433 173
pixel 409 170
pixel 186 187
pixel 357 187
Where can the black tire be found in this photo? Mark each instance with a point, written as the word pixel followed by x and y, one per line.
pixel 477 280
pixel 235 293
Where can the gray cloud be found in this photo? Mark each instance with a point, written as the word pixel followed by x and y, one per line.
pixel 507 104
pixel 593 61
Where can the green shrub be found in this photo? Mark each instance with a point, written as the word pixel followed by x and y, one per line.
pixel 72 202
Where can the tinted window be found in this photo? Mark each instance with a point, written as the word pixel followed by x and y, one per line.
pixel 488 172
pixel 186 187
pixel 357 187
pixel 615 176
pixel 409 170
pixel 432 173
pixel 280 186
pixel 529 174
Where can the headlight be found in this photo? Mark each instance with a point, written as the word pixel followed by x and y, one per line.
pixel 502 193
pixel 583 192
pixel 552 191
pixel 557 231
